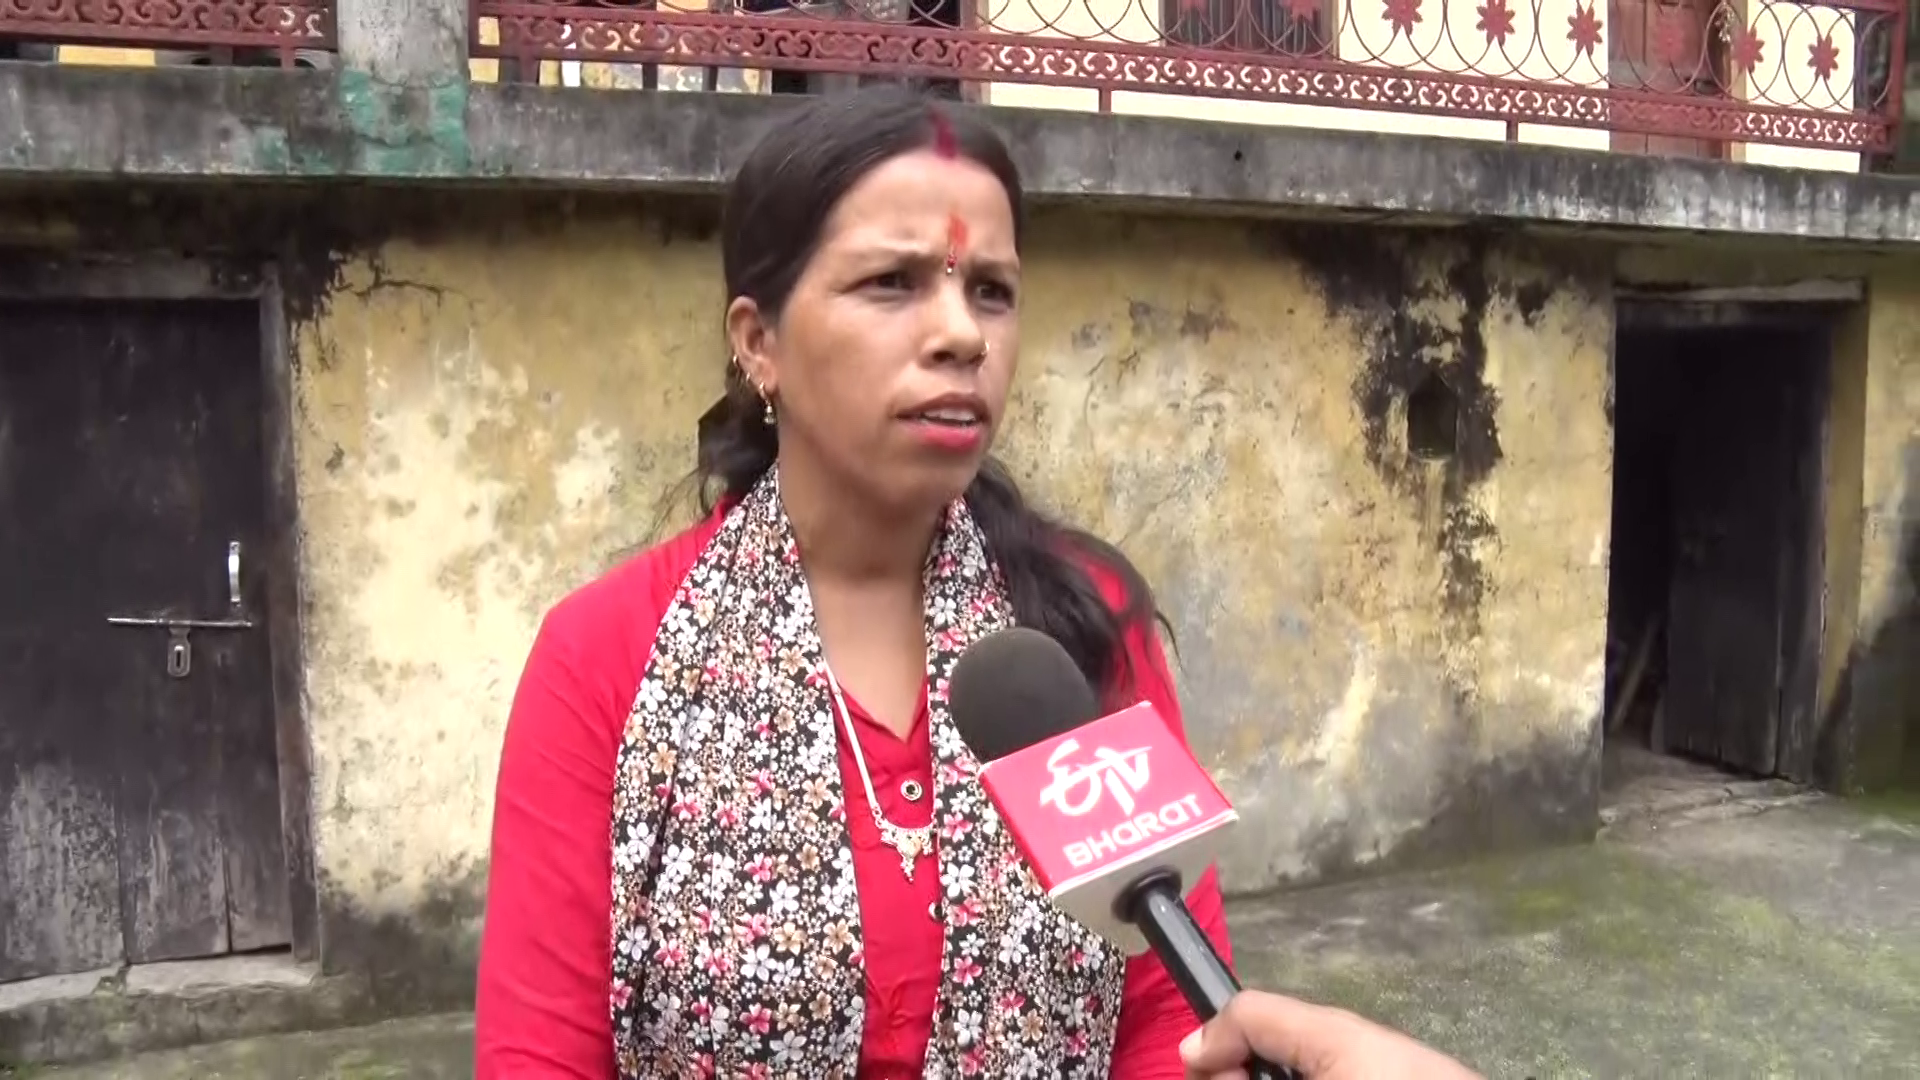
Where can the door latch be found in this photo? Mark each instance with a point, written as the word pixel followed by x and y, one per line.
pixel 179 647
pixel 179 652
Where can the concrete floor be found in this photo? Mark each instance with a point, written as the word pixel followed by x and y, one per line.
pixel 1749 934
pixel 1777 943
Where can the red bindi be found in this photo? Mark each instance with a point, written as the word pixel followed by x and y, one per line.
pixel 956 241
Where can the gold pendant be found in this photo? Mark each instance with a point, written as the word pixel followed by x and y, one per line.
pixel 904 842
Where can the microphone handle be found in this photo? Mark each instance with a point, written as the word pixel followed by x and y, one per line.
pixel 1154 904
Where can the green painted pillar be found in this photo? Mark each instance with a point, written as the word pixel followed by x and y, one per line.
pixel 403 84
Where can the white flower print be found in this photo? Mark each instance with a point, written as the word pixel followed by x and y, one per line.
pixel 959 881
pixel 790 1048
pixel 758 963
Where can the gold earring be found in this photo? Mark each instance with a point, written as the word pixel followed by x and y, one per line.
pixel 766 416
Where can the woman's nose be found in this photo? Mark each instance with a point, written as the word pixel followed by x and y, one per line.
pixel 957 333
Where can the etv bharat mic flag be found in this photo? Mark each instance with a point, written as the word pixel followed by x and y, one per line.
pixel 1099 806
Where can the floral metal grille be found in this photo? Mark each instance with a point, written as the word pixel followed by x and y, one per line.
pixel 269 24
pixel 1724 71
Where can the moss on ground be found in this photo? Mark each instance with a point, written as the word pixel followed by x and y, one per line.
pixel 1603 961
pixel 428 1048
pixel 1902 805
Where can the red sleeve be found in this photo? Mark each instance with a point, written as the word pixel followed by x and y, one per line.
pixel 546 951
pixel 1154 1016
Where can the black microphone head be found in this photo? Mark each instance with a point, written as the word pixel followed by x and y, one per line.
pixel 1014 688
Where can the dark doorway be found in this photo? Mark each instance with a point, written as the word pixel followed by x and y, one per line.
pixel 140 812
pixel 1714 579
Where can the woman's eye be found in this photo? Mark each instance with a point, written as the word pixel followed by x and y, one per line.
pixel 993 293
pixel 892 281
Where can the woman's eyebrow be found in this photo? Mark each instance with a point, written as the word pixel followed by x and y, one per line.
pixel 868 251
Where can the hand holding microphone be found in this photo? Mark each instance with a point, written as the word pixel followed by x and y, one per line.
pixel 1112 813
pixel 1323 1043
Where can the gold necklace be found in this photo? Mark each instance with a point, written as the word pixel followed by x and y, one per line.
pixel 910 843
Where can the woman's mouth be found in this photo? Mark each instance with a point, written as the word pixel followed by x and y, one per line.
pixel 955 429
pixel 947 417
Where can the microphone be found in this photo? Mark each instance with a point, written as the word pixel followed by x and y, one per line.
pixel 1112 812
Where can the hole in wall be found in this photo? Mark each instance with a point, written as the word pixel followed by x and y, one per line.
pixel 1433 419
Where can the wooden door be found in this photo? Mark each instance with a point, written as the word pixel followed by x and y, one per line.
pixel 139 806
pixel 1741 502
pixel 1666 47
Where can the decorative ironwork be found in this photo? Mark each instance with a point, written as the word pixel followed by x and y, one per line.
pixel 1718 71
pixel 283 25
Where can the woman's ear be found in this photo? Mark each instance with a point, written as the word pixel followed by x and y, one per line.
pixel 752 340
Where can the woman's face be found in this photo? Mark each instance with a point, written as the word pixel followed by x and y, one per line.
pixel 889 366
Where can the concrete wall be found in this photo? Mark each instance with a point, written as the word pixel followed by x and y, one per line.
pixel 1884 684
pixel 486 422
pixel 1381 659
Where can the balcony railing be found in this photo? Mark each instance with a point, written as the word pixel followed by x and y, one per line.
pixel 1684 76
pixel 190 31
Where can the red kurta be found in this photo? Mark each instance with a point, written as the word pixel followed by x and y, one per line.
pixel 546 957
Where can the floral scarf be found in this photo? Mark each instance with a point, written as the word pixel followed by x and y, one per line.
pixel 736 922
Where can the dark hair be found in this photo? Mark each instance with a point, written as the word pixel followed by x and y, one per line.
pixel 775 209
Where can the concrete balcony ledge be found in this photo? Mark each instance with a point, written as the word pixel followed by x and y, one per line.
pixel 69 123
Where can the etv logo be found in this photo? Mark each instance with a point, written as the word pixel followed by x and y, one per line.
pixel 1075 790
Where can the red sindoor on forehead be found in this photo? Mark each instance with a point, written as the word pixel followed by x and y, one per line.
pixel 945 143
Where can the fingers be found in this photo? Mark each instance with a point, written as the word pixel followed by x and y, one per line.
pixel 1314 1040
pixel 1279 1029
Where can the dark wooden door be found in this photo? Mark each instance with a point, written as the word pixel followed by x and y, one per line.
pixel 1740 506
pixel 139 808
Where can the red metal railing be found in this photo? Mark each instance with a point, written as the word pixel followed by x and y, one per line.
pixel 1711 71
pixel 280 28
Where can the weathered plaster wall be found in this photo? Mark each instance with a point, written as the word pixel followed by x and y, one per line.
pixel 1380 658
pixel 484 423
pixel 1884 687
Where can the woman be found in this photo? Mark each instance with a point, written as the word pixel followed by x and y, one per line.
pixel 805 879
